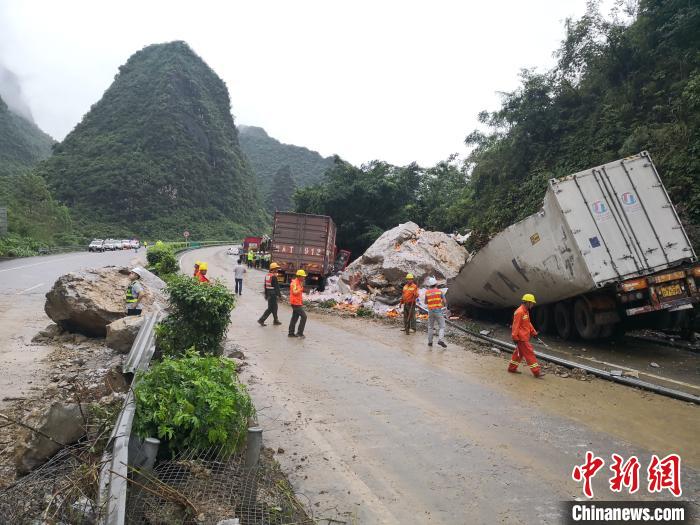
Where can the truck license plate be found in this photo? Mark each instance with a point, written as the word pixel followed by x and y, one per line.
pixel 671 291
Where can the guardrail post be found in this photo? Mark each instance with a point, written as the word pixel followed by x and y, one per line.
pixel 253 446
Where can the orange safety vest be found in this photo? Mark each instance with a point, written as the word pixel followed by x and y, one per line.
pixel 296 289
pixel 196 272
pixel 202 278
pixel 522 327
pixel 409 293
pixel 268 281
pixel 433 299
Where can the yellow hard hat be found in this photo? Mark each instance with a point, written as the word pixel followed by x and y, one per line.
pixel 274 266
pixel 409 276
pixel 301 273
pixel 203 266
pixel 528 297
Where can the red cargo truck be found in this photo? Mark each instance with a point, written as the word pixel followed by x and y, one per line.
pixel 303 241
pixel 251 242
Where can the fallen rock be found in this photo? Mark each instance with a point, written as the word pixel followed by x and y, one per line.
pixel 122 333
pixel 87 301
pixel 49 333
pixel 403 249
pixel 62 422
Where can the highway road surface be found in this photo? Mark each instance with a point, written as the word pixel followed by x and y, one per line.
pixel 23 286
pixel 376 428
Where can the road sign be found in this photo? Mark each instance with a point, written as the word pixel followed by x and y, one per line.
pixel 186 234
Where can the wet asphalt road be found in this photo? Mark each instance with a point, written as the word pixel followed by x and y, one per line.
pixel 23 286
pixel 377 428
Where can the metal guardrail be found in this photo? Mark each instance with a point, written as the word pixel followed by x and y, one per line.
pixel 115 460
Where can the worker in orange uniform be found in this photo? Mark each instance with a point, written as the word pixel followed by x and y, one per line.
pixel 409 296
pixel 296 299
pixel 272 292
pixel 202 274
pixel 437 310
pixel 196 268
pixel 521 333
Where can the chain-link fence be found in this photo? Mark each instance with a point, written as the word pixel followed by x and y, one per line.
pixel 211 486
pixel 63 490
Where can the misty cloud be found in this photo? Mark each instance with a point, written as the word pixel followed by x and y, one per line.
pixel 11 93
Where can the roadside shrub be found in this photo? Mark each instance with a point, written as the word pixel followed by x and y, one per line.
pixel 199 316
pixel 364 312
pixel 193 402
pixel 161 260
pixel 329 303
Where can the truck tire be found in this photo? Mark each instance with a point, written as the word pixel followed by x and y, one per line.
pixel 542 319
pixel 563 321
pixel 584 319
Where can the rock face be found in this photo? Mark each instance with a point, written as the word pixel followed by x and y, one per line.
pixel 86 302
pixel 121 333
pixel 62 422
pixel 407 248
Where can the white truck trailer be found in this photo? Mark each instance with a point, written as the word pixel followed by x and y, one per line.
pixel 607 245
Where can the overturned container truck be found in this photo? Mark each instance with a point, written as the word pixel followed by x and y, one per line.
pixel 606 247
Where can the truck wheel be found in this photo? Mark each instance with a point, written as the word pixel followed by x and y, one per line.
pixel 542 319
pixel 563 321
pixel 585 320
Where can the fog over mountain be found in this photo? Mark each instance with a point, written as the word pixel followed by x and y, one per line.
pixel 11 93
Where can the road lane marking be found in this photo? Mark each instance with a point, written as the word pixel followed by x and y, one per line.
pixel 37 264
pixel 29 289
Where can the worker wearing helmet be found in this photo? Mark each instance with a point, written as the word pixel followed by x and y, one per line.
pixel 409 296
pixel 437 308
pixel 196 268
pixel 522 330
pixel 251 257
pixel 296 299
pixel 202 275
pixel 135 291
pixel 272 292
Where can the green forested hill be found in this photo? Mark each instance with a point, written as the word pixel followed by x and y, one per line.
pixel 157 154
pixel 22 143
pixel 268 155
pixel 617 89
pixel 34 217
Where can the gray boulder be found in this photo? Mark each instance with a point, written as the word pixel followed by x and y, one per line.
pixel 87 301
pixel 122 333
pixel 63 423
pixel 407 248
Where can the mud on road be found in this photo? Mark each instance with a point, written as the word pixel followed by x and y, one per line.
pixel 374 427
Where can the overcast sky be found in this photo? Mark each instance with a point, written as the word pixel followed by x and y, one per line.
pixel 378 79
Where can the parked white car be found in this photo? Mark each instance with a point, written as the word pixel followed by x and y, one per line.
pixel 97 245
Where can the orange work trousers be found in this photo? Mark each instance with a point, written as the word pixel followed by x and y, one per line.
pixel 524 349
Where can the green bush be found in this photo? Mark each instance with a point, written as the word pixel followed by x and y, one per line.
pixel 15 246
pixel 329 303
pixel 364 312
pixel 199 316
pixel 193 402
pixel 161 259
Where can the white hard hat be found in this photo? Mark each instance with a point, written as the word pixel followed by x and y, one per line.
pixel 432 281
pixel 138 271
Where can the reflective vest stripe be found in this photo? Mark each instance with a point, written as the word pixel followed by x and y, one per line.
pixel 268 282
pixel 434 299
pixel 130 295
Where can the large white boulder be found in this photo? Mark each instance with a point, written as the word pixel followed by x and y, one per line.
pixel 407 248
